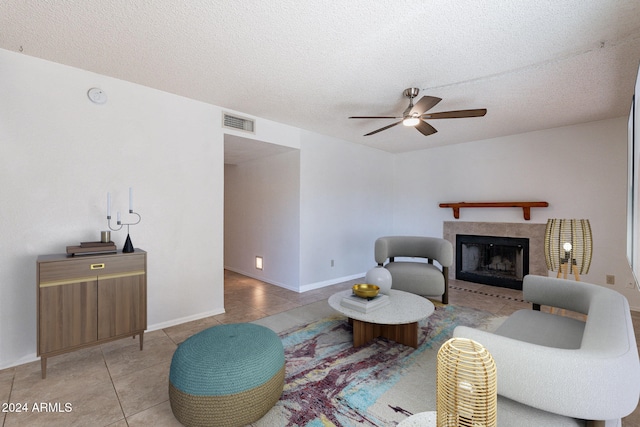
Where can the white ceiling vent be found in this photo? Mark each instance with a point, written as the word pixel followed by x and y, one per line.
pixel 238 123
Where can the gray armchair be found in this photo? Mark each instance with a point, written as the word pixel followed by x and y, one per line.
pixel 418 277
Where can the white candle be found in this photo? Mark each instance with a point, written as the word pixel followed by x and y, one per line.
pixel 130 199
pixel 108 205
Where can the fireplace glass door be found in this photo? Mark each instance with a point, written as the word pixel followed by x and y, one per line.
pixel 490 260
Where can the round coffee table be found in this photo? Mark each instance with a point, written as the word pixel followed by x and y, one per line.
pixel 397 321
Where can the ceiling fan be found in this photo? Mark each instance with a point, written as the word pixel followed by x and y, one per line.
pixel 415 115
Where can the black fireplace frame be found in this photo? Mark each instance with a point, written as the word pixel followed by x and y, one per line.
pixel 523 243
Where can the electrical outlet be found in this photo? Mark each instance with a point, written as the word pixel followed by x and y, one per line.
pixel 631 285
pixel 611 279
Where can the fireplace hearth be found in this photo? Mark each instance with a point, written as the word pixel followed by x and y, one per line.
pixel 492 260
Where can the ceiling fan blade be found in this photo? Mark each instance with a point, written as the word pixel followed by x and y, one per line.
pixel 425 104
pixel 456 114
pixel 425 128
pixel 374 117
pixel 384 128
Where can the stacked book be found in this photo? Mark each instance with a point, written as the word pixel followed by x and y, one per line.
pixel 364 305
pixel 92 248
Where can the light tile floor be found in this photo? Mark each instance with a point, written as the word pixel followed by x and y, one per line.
pixel 118 385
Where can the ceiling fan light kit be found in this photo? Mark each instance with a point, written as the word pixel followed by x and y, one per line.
pixel 411 121
pixel 415 115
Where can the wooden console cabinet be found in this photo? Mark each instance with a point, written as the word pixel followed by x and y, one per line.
pixel 88 300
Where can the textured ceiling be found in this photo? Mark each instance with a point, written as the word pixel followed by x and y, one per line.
pixel 534 64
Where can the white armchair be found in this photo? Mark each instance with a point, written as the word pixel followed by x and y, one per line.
pixel 587 370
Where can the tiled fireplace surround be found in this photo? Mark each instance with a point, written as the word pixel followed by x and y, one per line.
pixel 533 232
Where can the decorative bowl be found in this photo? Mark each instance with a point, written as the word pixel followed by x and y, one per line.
pixel 364 290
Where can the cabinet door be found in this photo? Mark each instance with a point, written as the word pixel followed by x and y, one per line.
pixel 122 305
pixel 68 315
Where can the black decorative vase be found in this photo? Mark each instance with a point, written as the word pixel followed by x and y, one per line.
pixel 128 246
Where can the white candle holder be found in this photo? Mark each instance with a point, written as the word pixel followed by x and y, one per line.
pixel 128 246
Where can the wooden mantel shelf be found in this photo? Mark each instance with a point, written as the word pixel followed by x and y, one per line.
pixel 526 206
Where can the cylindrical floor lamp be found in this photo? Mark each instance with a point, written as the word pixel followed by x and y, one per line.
pixel 467 391
pixel 568 246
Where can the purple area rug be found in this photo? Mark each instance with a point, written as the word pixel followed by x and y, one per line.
pixel 330 383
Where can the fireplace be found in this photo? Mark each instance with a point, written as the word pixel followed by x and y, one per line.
pixel 534 232
pixel 492 260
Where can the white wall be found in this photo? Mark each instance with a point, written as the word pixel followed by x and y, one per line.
pixel 345 204
pixel 580 170
pixel 60 155
pixel 262 218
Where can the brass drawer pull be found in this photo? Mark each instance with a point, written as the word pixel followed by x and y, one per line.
pixel 97 266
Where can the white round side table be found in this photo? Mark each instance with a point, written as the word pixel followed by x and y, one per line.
pixel 421 419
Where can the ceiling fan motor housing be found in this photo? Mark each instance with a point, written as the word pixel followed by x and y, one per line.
pixel 411 92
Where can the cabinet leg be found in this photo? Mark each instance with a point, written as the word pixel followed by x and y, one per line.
pixel 141 336
pixel 43 367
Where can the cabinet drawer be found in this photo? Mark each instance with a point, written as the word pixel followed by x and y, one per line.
pixel 78 269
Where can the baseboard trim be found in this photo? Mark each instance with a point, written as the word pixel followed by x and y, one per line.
pixel 325 283
pixel 303 288
pixel 262 279
pixel 174 322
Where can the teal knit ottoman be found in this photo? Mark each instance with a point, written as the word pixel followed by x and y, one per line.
pixel 227 375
